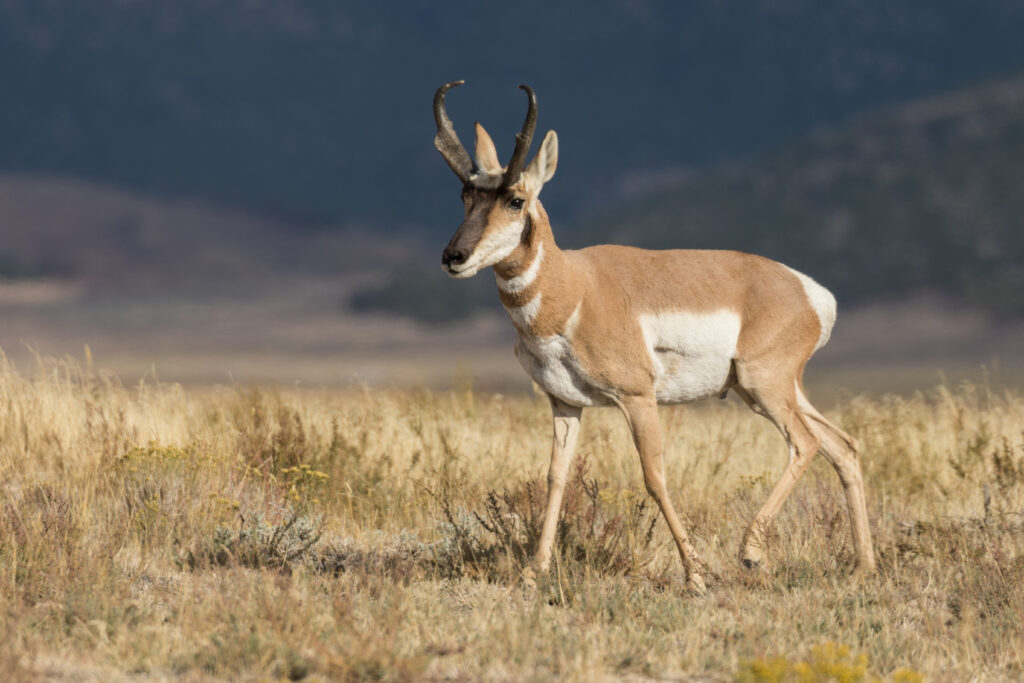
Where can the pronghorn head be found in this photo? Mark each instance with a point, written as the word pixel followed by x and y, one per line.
pixel 498 201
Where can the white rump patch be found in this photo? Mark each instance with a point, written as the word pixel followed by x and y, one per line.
pixel 523 315
pixel 520 282
pixel 692 352
pixel 823 303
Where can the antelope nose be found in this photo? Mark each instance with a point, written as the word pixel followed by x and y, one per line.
pixel 454 256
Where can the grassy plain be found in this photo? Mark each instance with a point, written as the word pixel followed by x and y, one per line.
pixel 249 533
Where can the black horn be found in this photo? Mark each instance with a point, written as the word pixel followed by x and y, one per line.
pixel 523 140
pixel 446 141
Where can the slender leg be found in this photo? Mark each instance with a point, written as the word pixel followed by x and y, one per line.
pixel 566 432
pixel 780 407
pixel 642 415
pixel 841 451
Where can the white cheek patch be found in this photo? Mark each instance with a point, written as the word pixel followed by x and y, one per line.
pixel 823 303
pixel 692 352
pixel 518 283
pixel 524 315
pixel 495 246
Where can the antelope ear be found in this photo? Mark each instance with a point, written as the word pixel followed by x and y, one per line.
pixel 542 168
pixel 486 154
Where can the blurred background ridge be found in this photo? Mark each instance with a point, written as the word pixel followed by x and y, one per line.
pixel 246 190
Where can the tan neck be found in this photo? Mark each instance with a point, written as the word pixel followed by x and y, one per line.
pixel 522 257
pixel 538 275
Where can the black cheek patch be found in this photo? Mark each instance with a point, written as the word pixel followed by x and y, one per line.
pixel 524 238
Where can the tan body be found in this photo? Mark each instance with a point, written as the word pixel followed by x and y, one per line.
pixel 614 325
pixel 595 298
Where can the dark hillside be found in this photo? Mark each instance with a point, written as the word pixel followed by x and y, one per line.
pixel 925 196
pixel 318 110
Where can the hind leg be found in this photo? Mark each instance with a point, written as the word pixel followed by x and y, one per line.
pixel 840 450
pixel 778 402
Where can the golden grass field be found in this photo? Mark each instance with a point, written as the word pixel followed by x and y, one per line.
pixel 152 532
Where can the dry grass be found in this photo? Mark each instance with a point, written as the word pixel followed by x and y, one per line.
pixel 248 533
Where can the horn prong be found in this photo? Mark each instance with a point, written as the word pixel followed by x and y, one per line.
pixel 447 141
pixel 524 139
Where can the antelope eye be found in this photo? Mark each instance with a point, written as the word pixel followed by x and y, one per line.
pixel 516 203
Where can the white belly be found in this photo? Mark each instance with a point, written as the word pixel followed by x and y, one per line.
pixel 550 363
pixel 692 353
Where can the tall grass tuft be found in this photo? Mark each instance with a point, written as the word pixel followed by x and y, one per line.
pixel 232 533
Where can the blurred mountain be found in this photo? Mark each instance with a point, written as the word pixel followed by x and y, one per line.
pixel 319 111
pixel 110 242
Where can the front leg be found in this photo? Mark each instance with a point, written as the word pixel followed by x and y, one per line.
pixel 566 431
pixel 642 415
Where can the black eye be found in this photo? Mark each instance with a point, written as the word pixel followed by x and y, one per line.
pixel 516 203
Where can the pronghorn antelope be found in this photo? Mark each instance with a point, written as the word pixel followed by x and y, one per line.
pixel 615 325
